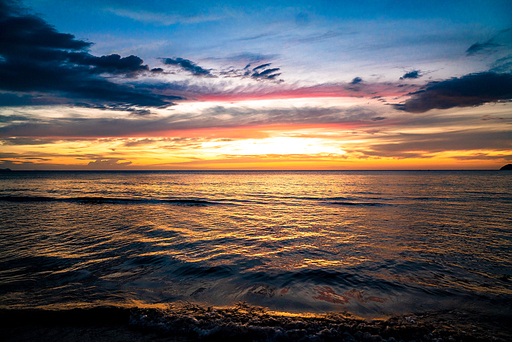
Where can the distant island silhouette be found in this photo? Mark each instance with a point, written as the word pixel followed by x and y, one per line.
pixel 507 167
pixel 5 170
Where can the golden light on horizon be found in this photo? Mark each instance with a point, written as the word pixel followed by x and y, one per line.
pixel 276 145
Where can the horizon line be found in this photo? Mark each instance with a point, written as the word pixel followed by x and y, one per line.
pixel 248 170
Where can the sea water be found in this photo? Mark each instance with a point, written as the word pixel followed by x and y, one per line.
pixel 369 243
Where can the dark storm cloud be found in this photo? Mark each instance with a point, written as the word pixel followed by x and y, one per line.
pixel 412 74
pixel 188 65
pixel 37 58
pixel 466 91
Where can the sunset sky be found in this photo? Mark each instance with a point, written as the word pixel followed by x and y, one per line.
pixel 215 85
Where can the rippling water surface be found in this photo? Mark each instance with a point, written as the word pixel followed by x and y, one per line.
pixel 371 243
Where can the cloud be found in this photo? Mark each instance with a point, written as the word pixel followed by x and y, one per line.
pixel 427 144
pixel 28 33
pixel 356 85
pixel 255 37
pixel 278 90
pixel 264 73
pixel 107 163
pixel 250 58
pixel 26 141
pixel 11 118
pixel 112 64
pixel 478 48
pixel 316 38
pixel 164 19
pixel 116 107
pixel 466 91
pixel 490 45
pixel 356 80
pixel 188 65
pixel 502 65
pixel 213 117
pixel 38 59
pixel 412 74
pixel 259 73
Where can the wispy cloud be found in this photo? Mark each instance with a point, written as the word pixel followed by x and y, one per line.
pixel 107 163
pixel 426 145
pixel 490 45
pixel 164 19
pixel 209 118
pixel 250 58
pixel 502 65
pixel 282 90
pixel 262 72
pixel 317 38
pixel 188 66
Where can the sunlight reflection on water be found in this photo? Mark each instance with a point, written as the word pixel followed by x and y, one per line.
pixel 367 242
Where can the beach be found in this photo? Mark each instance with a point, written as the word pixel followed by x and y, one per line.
pixel 189 322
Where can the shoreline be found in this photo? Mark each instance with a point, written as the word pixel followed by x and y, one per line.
pixel 242 322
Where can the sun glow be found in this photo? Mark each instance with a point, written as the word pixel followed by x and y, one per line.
pixel 276 145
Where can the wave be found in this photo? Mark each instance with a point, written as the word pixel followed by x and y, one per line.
pixel 183 201
pixel 338 200
pixel 243 322
pixel 109 200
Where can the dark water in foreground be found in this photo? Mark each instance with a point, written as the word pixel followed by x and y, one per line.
pixel 370 243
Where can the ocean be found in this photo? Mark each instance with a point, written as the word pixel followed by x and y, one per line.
pixel 369 243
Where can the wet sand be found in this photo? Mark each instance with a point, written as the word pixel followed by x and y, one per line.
pixel 188 322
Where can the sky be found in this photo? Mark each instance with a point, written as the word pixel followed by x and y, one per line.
pixel 266 85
